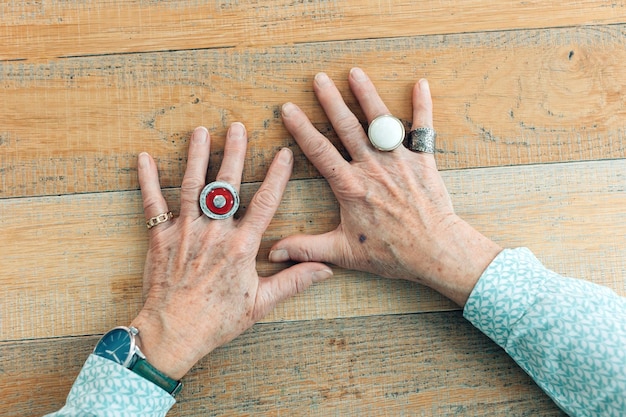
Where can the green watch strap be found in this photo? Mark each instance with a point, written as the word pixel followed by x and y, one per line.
pixel 142 367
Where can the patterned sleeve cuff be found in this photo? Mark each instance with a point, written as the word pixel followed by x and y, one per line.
pixel 104 387
pixel 567 334
pixel 504 291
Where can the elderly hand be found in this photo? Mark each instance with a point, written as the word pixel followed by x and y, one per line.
pixel 200 280
pixel 397 219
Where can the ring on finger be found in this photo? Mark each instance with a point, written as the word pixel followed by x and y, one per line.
pixel 219 200
pixel 422 139
pixel 386 132
pixel 158 219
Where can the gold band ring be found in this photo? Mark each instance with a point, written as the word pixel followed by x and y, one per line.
pixel 161 218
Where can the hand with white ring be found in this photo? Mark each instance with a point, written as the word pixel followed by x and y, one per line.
pixel 201 285
pixel 396 217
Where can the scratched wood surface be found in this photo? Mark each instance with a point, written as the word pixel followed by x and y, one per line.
pixel 345 367
pixel 77 124
pixel 42 29
pixel 529 110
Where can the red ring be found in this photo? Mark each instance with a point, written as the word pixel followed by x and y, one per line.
pixel 230 200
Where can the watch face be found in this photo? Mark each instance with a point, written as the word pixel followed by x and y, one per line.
pixel 117 345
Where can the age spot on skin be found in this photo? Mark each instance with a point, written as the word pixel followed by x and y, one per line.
pixel 362 238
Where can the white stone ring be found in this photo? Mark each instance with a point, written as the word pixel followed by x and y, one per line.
pixel 219 200
pixel 386 132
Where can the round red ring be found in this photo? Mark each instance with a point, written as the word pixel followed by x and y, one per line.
pixel 228 196
pixel 219 189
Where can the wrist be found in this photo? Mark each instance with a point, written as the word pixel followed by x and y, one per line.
pixel 462 256
pixel 164 349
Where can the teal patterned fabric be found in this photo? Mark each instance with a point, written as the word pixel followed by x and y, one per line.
pixel 569 335
pixel 104 388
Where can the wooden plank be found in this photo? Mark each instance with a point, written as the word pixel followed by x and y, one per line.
pixel 73 264
pixel 42 30
pixel 423 364
pixel 76 125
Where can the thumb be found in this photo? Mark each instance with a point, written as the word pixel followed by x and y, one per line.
pixel 307 248
pixel 287 283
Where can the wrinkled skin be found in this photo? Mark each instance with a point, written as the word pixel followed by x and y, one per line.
pixel 200 280
pixel 397 219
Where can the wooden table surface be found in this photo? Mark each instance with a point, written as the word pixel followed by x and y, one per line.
pixel 529 106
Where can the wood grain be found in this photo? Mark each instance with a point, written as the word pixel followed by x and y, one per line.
pixel 409 365
pixel 506 98
pixel 529 107
pixel 42 30
pixel 79 258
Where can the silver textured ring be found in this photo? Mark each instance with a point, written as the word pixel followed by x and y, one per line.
pixel 386 132
pixel 219 200
pixel 422 139
pixel 161 218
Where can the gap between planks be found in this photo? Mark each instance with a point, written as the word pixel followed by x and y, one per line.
pixel 45 30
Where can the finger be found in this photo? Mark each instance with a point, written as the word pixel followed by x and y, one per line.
pixel 234 155
pixel 345 123
pixel 267 198
pixel 365 92
pixel 422 105
pixel 287 283
pixel 317 148
pixel 309 248
pixel 153 201
pixel 423 114
pixel 195 174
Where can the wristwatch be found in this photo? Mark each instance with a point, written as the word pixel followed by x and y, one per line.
pixel 119 346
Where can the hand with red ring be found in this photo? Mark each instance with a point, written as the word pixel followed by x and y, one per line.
pixel 397 218
pixel 200 280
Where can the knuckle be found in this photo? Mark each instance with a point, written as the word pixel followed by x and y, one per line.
pixel 305 255
pixel 188 199
pixel 299 286
pixel 191 184
pixel 227 177
pixel 151 203
pixel 319 149
pixel 265 199
pixel 346 122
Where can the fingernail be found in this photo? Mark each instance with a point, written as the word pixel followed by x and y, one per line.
pixel 288 108
pixel 279 255
pixel 322 274
pixel 358 74
pixel 285 155
pixel 237 130
pixel 200 134
pixel 321 79
pixel 424 84
pixel 144 160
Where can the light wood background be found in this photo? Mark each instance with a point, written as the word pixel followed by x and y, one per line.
pixel 529 106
